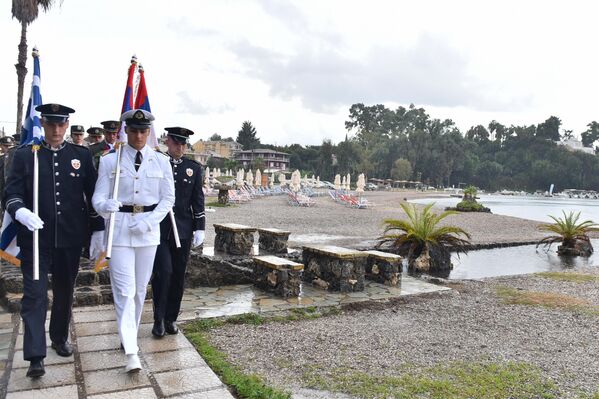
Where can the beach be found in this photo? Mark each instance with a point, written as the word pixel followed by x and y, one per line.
pixel 331 223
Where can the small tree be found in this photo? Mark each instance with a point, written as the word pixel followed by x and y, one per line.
pixel 572 234
pixel 247 136
pixel 215 137
pixel 420 238
pixel 258 163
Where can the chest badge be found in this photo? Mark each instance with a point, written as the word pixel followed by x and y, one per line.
pixel 189 172
pixel 75 163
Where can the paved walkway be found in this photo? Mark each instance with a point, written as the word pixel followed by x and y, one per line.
pixel 172 367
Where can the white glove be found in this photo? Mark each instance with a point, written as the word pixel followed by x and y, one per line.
pixel 110 205
pixel 29 219
pixel 198 238
pixel 96 244
pixel 139 227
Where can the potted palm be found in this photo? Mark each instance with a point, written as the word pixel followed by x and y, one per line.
pixel 422 240
pixel 572 233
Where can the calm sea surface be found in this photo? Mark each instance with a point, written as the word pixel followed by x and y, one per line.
pixel 528 258
pixel 534 208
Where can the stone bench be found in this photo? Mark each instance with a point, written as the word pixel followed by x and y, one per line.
pixel 273 240
pixel 334 268
pixel 234 239
pixel 384 268
pixel 278 275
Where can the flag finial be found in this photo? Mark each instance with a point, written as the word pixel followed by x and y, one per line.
pixel 134 59
pixel 35 52
pixel 140 68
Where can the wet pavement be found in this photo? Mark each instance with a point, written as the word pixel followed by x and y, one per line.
pixel 171 365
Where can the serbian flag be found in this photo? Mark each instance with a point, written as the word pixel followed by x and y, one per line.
pixel 142 101
pixel 128 98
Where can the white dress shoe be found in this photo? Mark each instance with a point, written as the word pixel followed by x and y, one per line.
pixel 133 364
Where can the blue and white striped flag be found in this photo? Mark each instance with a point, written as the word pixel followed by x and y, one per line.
pixel 31 132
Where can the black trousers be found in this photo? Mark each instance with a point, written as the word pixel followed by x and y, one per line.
pixel 168 279
pixel 63 263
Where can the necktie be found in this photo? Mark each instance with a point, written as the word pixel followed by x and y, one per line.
pixel 137 160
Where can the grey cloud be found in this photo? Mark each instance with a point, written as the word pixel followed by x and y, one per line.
pixel 189 105
pixel 431 73
pixel 184 27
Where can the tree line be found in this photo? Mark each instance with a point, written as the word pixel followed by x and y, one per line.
pixel 407 144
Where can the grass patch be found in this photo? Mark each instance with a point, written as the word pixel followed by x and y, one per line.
pixel 456 380
pixel 512 296
pixel 569 277
pixel 216 204
pixel 244 385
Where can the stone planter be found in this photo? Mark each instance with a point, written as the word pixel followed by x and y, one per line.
pixel 278 275
pixel 334 268
pixel 223 196
pixel 577 247
pixel 234 239
pixel 218 270
pixel 273 241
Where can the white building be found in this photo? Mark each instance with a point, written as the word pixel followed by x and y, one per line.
pixel 576 145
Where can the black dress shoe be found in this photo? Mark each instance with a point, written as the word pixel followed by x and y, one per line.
pixel 171 327
pixel 64 349
pixel 158 329
pixel 36 369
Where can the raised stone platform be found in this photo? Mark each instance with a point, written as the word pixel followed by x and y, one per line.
pixel 384 268
pixel 273 240
pixel 334 268
pixel 234 239
pixel 278 275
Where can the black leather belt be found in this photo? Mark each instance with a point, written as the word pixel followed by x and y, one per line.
pixel 137 208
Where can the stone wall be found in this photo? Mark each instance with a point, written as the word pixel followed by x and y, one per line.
pixel 214 271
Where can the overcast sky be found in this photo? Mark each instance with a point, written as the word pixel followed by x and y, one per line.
pixel 293 68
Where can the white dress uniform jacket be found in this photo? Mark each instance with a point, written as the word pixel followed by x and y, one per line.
pixel 151 184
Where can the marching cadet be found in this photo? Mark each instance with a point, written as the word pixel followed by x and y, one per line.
pixel 146 194
pixel 7 144
pixel 111 131
pixel 77 132
pixel 94 135
pixel 66 185
pixel 170 262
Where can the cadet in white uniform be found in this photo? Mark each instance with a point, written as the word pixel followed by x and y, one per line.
pixel 146 194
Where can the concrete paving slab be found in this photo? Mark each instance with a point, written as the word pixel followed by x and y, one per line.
pixel 51 358
pixel 95 343
pixel 220 393
pixel 113 380
pixel 91 361
pixel 187 381
pixel 143 393
pixel 56 375
pixel 174 360
pixel 167 343
pixel 64 392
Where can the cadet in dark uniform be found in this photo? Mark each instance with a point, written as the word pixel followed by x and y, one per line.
pixel 66 184
pixel 7 143
pixel 94 135
pixel 111 131
pixel 77 132
pixel 170 261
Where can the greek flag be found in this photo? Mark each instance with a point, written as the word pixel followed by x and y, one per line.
pixel 31 132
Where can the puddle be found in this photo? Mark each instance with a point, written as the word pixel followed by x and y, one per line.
pixel 317 238
pixel 516 260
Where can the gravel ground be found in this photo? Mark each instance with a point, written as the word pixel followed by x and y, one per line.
pixel 469 324
pixel 332 223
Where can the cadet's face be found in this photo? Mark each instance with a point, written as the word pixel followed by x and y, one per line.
pixel 137 138
pixel 77 138
pixel 175 149
pixel 110 137
pixel 94 139
pixel 54 131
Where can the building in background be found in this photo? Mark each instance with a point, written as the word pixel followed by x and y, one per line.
pixel 575 145
pixel 273 161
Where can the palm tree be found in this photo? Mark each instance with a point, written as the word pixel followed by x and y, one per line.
pixel 426 245
pixel 25 11
pixel 572 234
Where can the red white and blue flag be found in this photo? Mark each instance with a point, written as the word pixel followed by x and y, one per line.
pixel 128 98
pixel 142 101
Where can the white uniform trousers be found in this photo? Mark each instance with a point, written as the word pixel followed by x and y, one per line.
pixel 130 272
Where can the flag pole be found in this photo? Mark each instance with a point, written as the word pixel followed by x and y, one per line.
pixel 175 230
pixel 36 232
pixel 115 195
